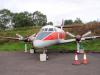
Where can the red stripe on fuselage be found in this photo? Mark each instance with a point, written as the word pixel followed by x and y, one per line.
pixel 55 36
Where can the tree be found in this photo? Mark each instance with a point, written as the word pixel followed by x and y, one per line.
pixel 50 23
pixel 78 21
pixel 39 19
pixel 68 22
pixel 22 19
pixel 5 18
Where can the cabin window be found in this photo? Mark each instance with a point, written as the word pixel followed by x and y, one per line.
pixel 50 29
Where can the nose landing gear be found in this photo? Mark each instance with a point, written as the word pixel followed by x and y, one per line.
pixel 44 56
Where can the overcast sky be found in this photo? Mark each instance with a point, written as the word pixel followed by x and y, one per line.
pixel 56 10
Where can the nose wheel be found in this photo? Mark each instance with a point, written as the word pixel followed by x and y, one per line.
pixel 44 56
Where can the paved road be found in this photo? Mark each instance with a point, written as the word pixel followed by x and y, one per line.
pixel 20 63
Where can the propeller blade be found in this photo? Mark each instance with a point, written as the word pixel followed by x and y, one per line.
pixel 70 34
pixel 78 47
pixel 31 37
pixel 90 38
pixel 86 34
pixel 20 37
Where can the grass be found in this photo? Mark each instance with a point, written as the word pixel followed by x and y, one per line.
pixel 13 46
pixel 93 45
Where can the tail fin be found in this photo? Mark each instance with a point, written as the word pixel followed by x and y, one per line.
pixel 62 24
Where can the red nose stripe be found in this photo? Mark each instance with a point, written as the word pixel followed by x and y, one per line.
pixel 52 36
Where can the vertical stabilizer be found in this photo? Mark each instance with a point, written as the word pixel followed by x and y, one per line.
pixel 62 24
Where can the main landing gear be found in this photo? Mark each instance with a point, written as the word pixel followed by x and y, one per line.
pixel 32 50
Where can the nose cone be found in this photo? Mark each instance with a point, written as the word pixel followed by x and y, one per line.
pixel 39 44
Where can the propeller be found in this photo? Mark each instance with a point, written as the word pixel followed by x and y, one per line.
pixel 79 38
pixel 21 38
pixel 70 34
pixel 27 39
pixel 86 34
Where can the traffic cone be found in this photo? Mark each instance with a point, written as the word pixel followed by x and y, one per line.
pixel 84 61
pixel 76 61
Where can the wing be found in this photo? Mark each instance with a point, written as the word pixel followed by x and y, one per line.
pixel 82 39
pixel 13 38
pixel 20 37
pixel 67 41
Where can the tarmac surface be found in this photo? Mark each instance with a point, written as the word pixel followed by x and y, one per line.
pixel 20 63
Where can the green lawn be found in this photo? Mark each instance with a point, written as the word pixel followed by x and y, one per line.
pixel 93 45
pixel 13 46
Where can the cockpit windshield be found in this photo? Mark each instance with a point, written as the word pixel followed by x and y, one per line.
pixel 41 35
pixel 48 29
